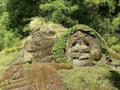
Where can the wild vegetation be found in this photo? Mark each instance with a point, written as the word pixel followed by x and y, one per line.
pixel 101 15
pixel 90 78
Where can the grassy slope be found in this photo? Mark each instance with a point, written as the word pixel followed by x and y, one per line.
pixel 99 77
pixel 6 60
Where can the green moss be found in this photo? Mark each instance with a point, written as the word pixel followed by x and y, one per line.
pixel 90 78
pixel 6 60
pixel 60 44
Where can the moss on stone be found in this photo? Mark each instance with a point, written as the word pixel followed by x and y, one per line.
pixel 60 43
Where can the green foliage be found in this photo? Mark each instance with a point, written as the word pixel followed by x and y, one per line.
pixel 111 40
pixel 116 21
pixel 7 38
pixel 58 50
pixel 26 28
pixel 59 11
pixel 60 44
pixel 1 40
pixel 107 4
pixel 102 15
pixel 10 50
pixel 0 7
pixel 10 40
pixel 19 13
pixel 8 59
pixel 116 47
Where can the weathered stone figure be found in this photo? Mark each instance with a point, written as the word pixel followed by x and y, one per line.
pixel 39 47
pixel 83 48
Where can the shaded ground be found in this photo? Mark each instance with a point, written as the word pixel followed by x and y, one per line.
pixel 115 79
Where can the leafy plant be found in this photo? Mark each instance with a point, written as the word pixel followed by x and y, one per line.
pixel 116 47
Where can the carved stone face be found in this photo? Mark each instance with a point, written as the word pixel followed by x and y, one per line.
pixel 41 43
pixel 83 48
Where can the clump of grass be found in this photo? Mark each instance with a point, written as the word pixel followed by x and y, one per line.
pixel 6 60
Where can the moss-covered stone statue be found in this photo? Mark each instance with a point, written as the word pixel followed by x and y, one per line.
pixel 80 44
pixel 39 46
pixel 49 41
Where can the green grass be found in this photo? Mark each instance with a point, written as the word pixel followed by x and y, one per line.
pixel 99 77
pixel 6 60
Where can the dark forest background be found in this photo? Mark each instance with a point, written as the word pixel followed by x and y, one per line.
pixel 102 15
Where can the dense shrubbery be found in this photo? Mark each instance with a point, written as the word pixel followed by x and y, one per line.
pixel 8 39
pixel 102 15
pixel 116 47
